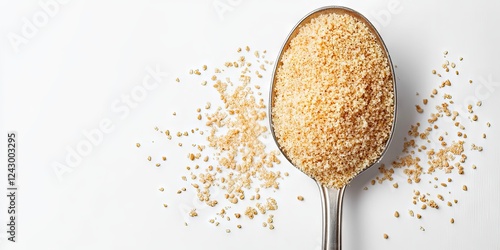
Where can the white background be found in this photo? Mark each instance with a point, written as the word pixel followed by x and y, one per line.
pixel 66 77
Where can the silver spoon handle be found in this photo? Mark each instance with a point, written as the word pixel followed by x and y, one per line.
pixel 331 200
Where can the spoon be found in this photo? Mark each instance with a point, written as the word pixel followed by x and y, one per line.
pixel 332 198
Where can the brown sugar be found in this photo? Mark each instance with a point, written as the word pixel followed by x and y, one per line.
pixel 334 103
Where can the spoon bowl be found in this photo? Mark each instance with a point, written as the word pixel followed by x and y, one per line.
pixel 332 198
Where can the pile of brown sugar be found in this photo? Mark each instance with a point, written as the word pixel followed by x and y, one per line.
pixel 334 99
pixel 434 148
pixel 229 163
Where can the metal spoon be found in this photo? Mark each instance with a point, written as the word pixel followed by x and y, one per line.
pixel 332 198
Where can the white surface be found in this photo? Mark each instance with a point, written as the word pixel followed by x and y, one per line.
pixel 70 74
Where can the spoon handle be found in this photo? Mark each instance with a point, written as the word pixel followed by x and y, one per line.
pixel 331 200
